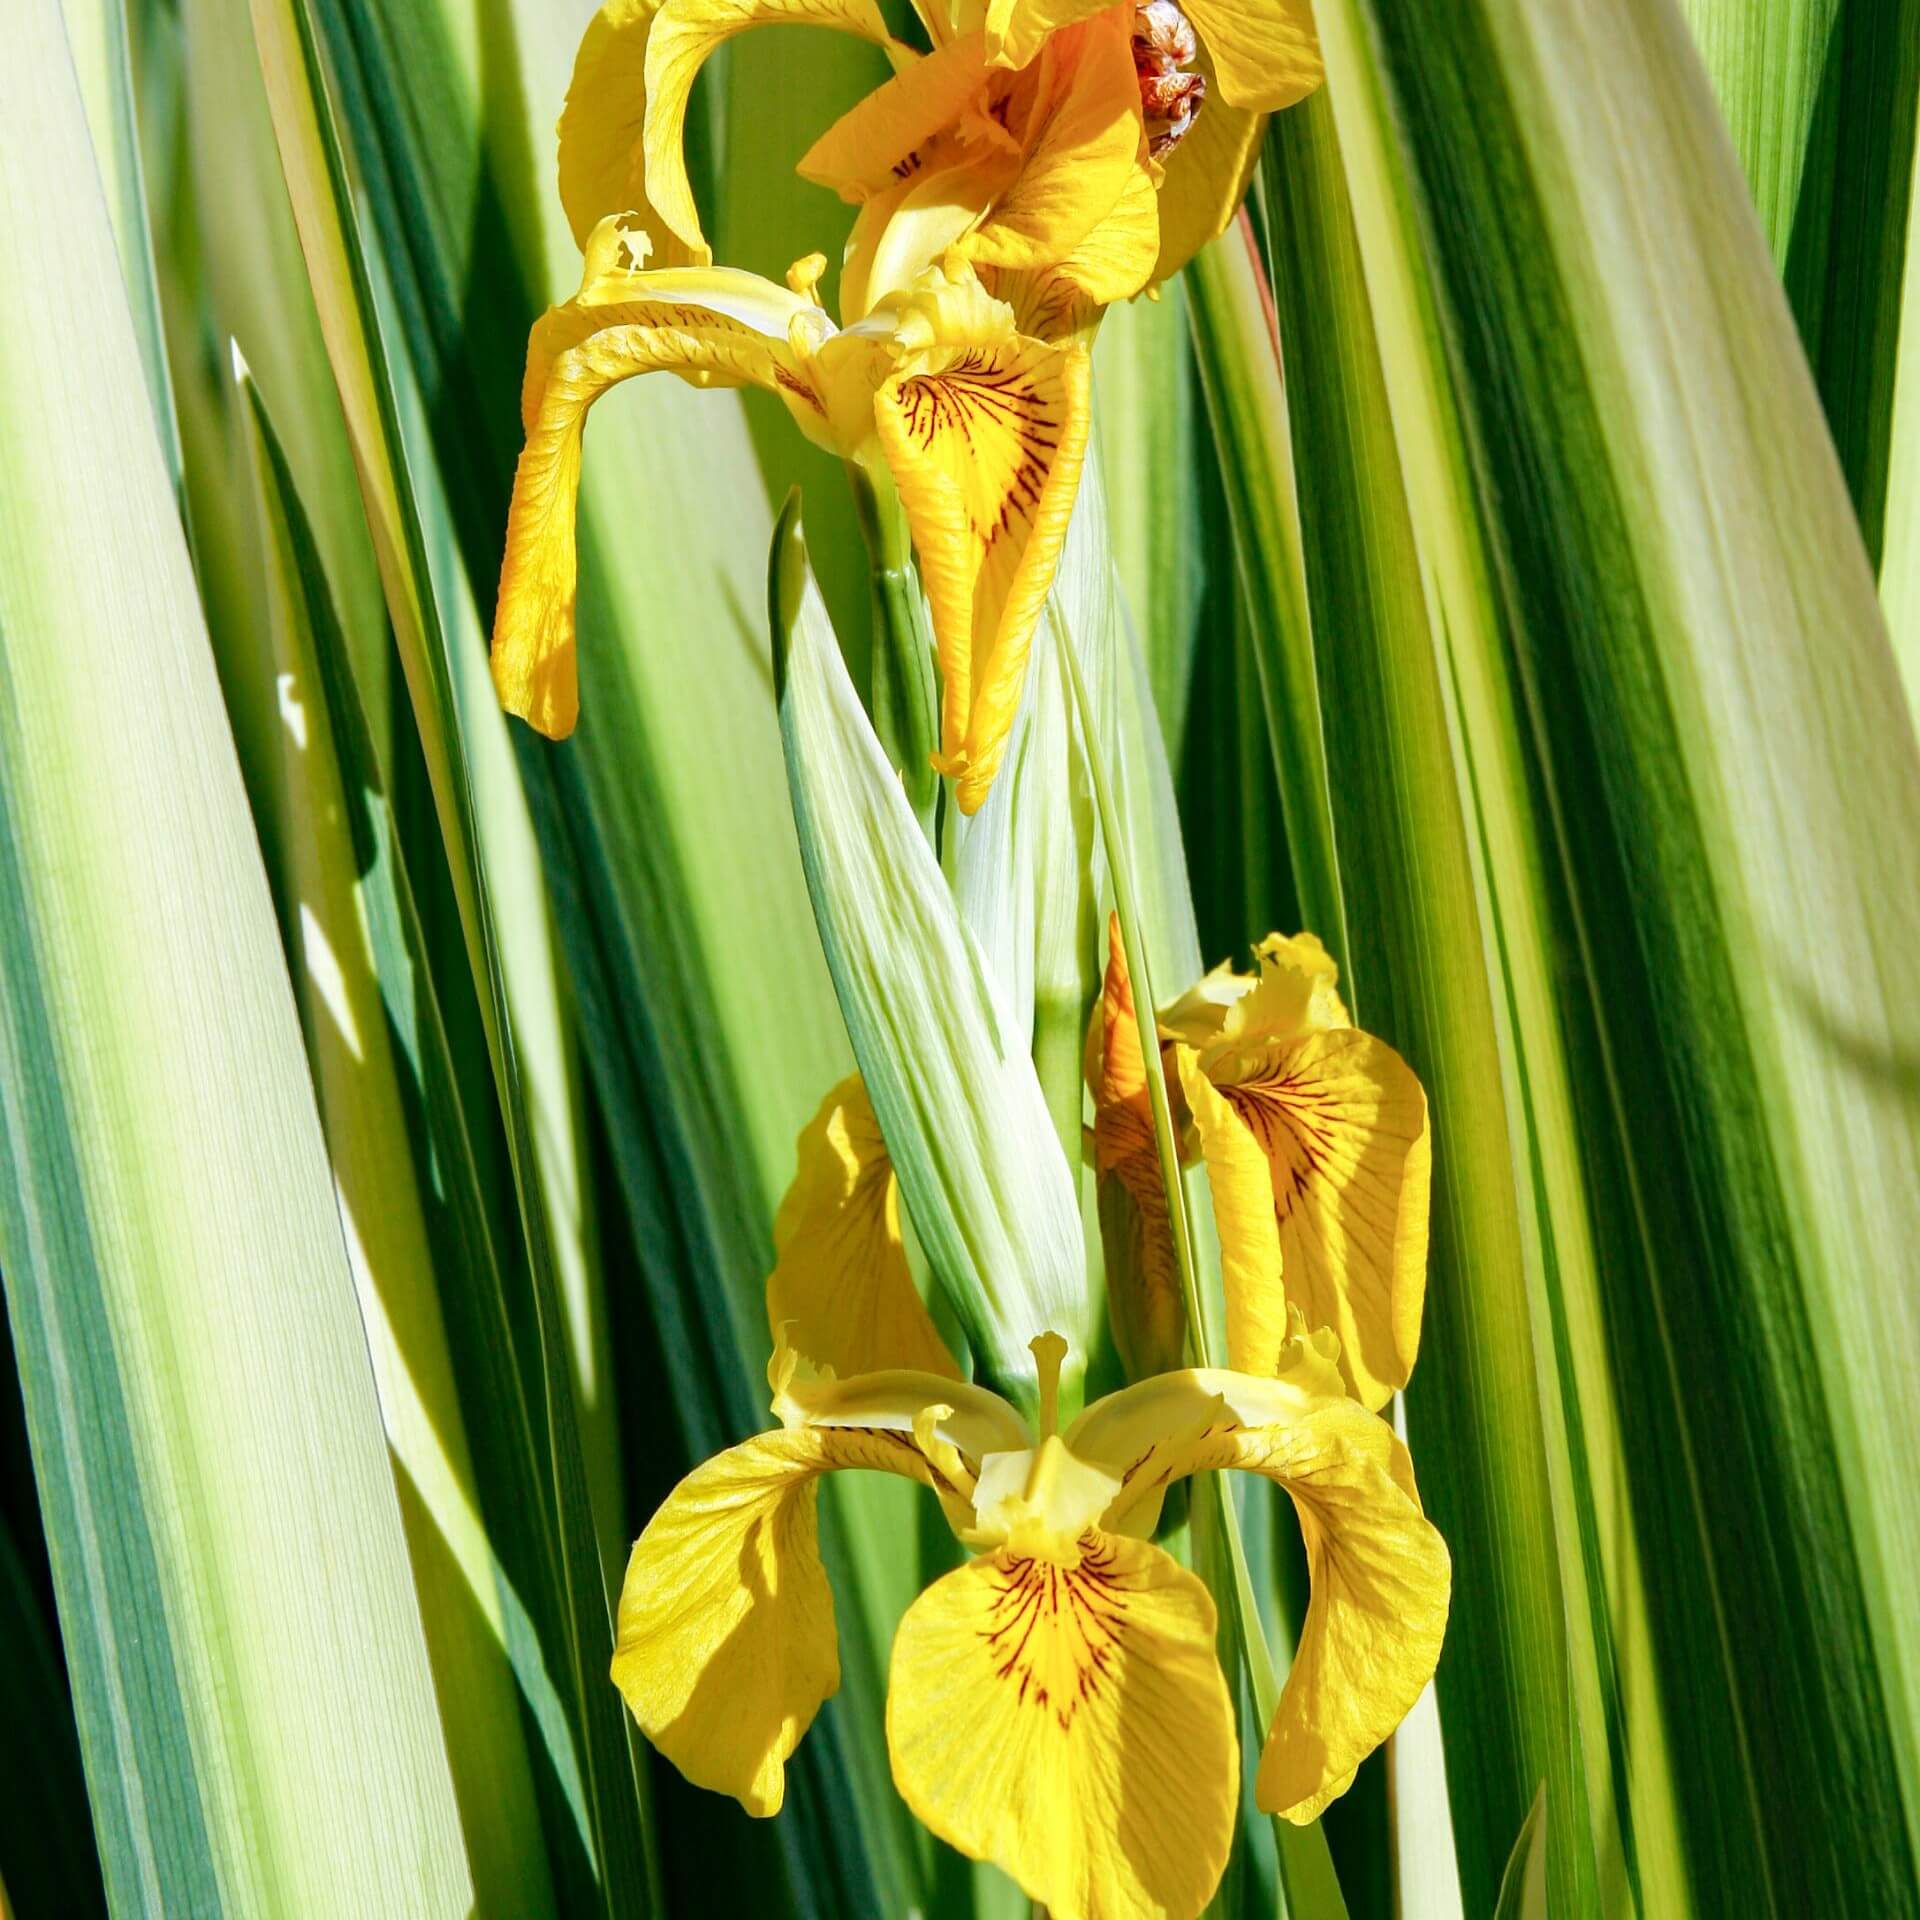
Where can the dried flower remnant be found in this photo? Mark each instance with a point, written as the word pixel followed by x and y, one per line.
pixel 1164 48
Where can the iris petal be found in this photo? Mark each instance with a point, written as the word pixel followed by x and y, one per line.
pixel 1066 1719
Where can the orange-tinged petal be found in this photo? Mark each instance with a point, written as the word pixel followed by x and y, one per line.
pixel 1016 30
pixel 985 431
pixel 882 141
pixel 1066 1718
pixel 725 1644
pixel 1144 1301
pixel 1265 52
pixel 1081 149
pixel 840 1291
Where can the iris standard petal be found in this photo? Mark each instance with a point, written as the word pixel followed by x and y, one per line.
pixel 882 140
pixel 726 1644
pixel 840 1291
pixel 1016 30
pixel 602 158
pixel 1238 1178
pixel 1081 146
pixel 1066 1718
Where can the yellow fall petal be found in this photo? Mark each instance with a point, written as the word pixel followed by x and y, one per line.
pixel 685 324
pixel 1381 1575
pixel 1253 1275
pixel 1265 53
pixel 725 1644
pixel 684 33
pixel 1066 1718
pixel 985 431
pixel 840 1291
pixel 1340 1122
pixel 1381 1583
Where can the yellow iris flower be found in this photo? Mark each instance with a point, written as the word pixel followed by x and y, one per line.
pixel 983 427
pixel 1001 207
pixel 1055 1705
pixel 1318 1157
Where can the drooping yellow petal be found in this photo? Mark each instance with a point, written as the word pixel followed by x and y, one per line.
pixel 706 327
pixel 840 1291
pixel 1381 1583
pixel 1144 1301
pixel 684 34
pixel 1252 1271
pixel 1067 1720
pixel 1340 1122
pixel 726 1643
pixel 1265 53
pixel 1381 1576
pixel 1081 147
pixel 985 431
pixel 1206 175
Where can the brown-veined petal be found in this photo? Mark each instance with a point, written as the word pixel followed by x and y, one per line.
pixel 1067 1720
pixel 1339 1121
pixel 985 431
pixel 880 142
pixel 1111 263
pixel 725 1645
pixel 840 1291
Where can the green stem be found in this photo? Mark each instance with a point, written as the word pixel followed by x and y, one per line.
pixel 906 712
